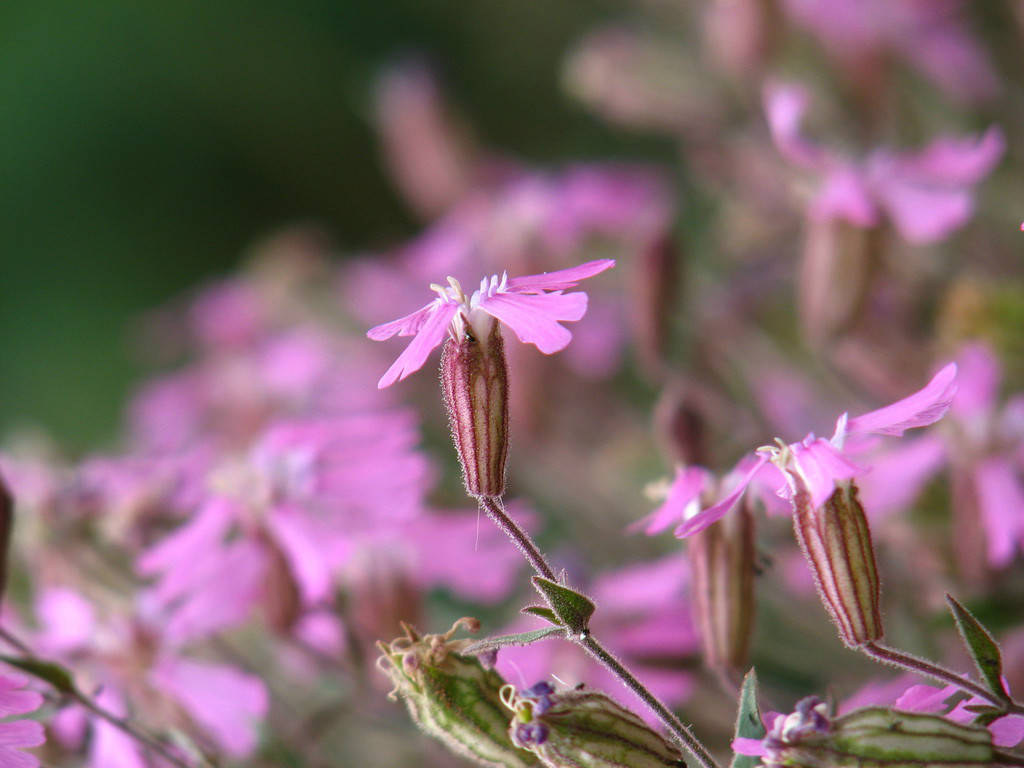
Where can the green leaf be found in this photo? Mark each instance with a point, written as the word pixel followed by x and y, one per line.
pixel 572 608
pixel 982 647
pixel 54 674
pixel 521 638
pixel 545 613
pixel 748 720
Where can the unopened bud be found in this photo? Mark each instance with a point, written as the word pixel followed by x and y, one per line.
pixel 834 274
pixel 452 697
pixel 585 729
pixel 656 288
pixel 875 737
pixel 722 558
pixel 474 377
pixel 837 542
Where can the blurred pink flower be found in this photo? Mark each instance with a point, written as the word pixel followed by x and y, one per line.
pixel 818 464
pixel 925 194
pixel 532 306
pixel 135 662
pixel 930 35
pixel 17 734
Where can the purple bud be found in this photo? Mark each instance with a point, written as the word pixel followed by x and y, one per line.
pixel 530 734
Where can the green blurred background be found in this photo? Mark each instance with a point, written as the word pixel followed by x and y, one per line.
pixel 144 145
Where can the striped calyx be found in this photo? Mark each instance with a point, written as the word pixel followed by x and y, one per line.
pixel 584 729
pixel 453 697
pixel 474 377
pixel 722 560
pixel 837 542
pixel 874 737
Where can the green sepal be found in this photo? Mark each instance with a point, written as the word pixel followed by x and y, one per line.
pixel 748 720
pixel 571 608
pixel 880 736
pixel 520 638
pixel 54 674
pixel 982 647
pixel 543 612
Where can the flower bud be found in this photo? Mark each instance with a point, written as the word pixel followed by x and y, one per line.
pixel 585 729
pixel 837 543
pixel 474 377
pixel 873 737
pixel 452 697
pixel 722 558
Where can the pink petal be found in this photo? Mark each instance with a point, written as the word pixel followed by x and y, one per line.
pixel 744 746
pixel 925 698
pixel 429 333
pixel 535 318
pixel 21 733
pixel 896 477
pixel 10 758
pixel 920 409
pixel 928 194
pixel 978 381
pixel 688 485
pixel 1001 500
pixel 409 325
pixel 227 703
pixel 819 464
pixel 716 512
pixel 560 279
pixel 785 105
pixel 845 195
pixel 1007 731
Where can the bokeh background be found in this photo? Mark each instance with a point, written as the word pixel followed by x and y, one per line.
pixel 145 146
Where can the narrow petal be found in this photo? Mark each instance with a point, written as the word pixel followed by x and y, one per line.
pixel 404 326
pixel 845 195
pixel 560 279
pixel 897 476
pixel 1001 500
pixel 977 383
pixel 744 746
pixel 928 194
pixel 716 512
pixel 784 106
pixel 1007 731
pixel 430 333
pixel 920 409
pixel 687 487
pixel 819 464
pixel 22 733
pixel 925 698
pixel 535 318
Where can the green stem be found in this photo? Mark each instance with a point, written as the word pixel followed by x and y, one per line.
pixel 493 507
pixel 927 668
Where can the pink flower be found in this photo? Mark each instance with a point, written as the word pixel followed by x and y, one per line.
pixel 930 35
pixel 16 734
pixel 532 306
pixel 1007 731
pixel 926 194
pixel 818 464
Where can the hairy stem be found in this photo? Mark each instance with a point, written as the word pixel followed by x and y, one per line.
pixel 495 510
pixel 493 506
pixel 924 667
pixel 675 726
